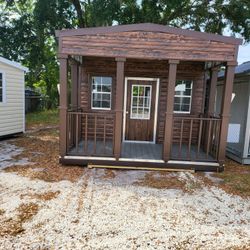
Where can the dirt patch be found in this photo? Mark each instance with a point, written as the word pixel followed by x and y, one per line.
pixel 234 180
pixel 108 174
pixel 14 226
pixel 42 149
pixel 2 212
pixel 27 211
pixel 161 180
pixel 47 196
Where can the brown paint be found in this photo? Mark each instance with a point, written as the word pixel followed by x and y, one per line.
pixel 225 110
pixel 149 27
pixel 169 110
pixel 63 103
pixel 140 129
pixel 119 105
pixel 149 51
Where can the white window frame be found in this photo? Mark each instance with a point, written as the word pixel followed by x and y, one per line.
pixel 131 105
pixel 3 88
pixel 101 92
pixel 190 96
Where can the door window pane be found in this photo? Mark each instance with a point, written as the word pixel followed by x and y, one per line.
pixel 141 102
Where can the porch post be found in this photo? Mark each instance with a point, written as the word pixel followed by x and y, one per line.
pixel 170 108
pixel 74 84
pixel 118 106
pixel 225 109
pixel 212 90
pixel 63 59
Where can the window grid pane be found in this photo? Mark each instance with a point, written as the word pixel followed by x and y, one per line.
pixel 183 96
pixel 101 92
pixel 140 102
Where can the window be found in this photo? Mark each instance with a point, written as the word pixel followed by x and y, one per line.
pixel 101 92
pixel 1 87
pixel 183 96
pixel 141 102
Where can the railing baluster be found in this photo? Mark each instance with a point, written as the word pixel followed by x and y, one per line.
pixel 67 129
pixel 208 141
pixel 199 138
pixel 95 134
pixel 190 138
pixel 86 134
pixel 216 138
pixel 76 140
pixel 180 144
pixel 213 137
pixel 69 139
pixel 104 136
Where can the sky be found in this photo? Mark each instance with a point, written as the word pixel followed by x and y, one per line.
pixel 244 53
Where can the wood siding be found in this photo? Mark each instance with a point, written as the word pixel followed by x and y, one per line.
pixel 150 45
pixel 12 110
pixel 145 68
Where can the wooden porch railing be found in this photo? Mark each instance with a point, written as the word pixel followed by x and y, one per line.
pixel 90 133
pixel 195 138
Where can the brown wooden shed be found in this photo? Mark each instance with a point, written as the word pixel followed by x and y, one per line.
pixel 139 95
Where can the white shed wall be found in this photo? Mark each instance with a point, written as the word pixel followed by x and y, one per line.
pixel 12 114
pixel 238 115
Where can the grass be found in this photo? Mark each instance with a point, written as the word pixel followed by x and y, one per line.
pixel 236 178
pixel 42 118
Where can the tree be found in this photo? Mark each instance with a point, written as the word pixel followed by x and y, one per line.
pixel 27 27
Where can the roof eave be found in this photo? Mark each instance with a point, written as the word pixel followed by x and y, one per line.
pixel 14 64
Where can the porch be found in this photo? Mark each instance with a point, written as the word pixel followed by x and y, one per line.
pixel 91 136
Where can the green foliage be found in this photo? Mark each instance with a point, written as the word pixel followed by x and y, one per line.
pixel 27 27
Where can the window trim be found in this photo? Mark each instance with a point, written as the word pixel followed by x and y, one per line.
pixel 131 102
pixel 190 96
pixel 3 88
pixel 101 92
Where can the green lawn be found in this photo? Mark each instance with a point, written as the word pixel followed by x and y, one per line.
pixel 42 118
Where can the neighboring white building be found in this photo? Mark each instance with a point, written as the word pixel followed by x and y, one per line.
pixel 238 141
pixel 12 99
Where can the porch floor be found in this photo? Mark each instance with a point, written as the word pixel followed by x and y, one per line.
pixel 147 151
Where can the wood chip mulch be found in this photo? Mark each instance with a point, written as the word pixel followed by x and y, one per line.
pixel 42 150
pixel 14 225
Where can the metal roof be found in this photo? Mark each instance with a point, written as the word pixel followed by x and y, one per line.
pixel 243 68
pixel 13 64
pixel 148 27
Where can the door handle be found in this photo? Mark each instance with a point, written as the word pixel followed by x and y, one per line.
pixel 126 112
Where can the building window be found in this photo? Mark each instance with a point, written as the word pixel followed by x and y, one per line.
pixel 141 102
pixel 183 96
pixel 1 88
pixel 101 92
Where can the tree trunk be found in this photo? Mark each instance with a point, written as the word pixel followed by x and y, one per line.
pixel 79 12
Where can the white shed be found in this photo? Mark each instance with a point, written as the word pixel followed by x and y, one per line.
pixel 12 97
pixel 238 140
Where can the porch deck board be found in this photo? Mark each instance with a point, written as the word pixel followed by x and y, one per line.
pixel 93 149
pixel 146 151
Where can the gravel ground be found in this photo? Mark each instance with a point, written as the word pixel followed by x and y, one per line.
pixel 7 152
pixel 107 209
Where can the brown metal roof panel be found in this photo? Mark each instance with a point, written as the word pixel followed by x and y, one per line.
pixel 148 27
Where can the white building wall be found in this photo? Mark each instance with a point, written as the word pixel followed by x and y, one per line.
pixel 238 117
pixel 12 116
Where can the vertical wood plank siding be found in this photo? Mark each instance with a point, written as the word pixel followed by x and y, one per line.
pixel 94 66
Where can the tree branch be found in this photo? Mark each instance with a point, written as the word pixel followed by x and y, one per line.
pixel 79 12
